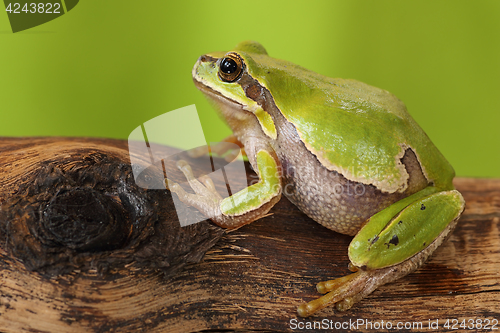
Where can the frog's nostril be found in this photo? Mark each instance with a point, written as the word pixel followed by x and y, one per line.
pixel 206 58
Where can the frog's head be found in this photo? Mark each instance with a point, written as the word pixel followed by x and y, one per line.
pixel 233 81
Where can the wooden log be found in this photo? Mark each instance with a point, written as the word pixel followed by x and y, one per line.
pixel 133 268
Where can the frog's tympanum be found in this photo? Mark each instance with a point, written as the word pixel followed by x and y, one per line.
pixel 347 154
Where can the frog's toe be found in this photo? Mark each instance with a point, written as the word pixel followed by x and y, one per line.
pixel 209 184
pixel 204 188
pixel 327 286
pixel 341 291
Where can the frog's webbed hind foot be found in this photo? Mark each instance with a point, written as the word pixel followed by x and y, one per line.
pixel 346 291
pixel 343 292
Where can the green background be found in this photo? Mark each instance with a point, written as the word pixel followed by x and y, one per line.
pixel 108 66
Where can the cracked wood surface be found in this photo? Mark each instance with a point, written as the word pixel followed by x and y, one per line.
pixel 253 278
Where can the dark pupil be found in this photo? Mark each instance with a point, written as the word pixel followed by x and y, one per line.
pixel 228 66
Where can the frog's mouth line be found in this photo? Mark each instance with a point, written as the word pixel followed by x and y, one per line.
pixel 217 96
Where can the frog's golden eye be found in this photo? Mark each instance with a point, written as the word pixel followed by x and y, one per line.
pixel 230 67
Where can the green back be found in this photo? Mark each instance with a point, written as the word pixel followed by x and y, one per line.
pixel 352 127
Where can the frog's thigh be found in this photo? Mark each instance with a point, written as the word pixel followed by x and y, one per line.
pixel 389 238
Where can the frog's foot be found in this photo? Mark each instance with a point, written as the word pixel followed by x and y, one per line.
pixel 220 148
pixel 237 210
pixel 338 291
pixel 346 291
pixel 206 198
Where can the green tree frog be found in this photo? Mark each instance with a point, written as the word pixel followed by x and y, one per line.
pixel 345 153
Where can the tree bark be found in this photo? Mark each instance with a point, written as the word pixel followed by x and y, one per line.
pixel 84 249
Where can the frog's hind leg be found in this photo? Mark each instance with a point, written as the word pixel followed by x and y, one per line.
pixel 421 222
pixel 346 291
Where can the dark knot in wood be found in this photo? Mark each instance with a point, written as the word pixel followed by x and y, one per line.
pixel 83 219
pixel 69 205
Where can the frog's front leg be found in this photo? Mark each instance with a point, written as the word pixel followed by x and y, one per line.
pixel 392 244
pixel 240 208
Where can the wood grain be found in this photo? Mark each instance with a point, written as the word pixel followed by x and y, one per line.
pixel 252 279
